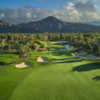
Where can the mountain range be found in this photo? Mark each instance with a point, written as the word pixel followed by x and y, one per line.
pixel 50 25
pixel 95 23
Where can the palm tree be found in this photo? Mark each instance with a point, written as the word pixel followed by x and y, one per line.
pixel 3 44
pixel 24 51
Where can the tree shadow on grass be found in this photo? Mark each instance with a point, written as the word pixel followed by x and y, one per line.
pixel 60 43
pixel 87 67
pixel 71 61
pixel 6 52
pixel 97 78
pixel 60 58
pixel 60 52
pixel 3 63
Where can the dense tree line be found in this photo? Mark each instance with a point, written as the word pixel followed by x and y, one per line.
pixel 22 44
pixel 25 43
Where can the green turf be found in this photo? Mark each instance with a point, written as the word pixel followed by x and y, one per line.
pixel 65 78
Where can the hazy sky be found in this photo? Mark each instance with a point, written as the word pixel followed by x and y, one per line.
pixel 66 10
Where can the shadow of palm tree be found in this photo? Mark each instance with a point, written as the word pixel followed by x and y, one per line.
pixel 87 67
pixel 60 58
pixel 3 63
pixel 7 52
pixel 60 52
pixel 97 78
pixel 61 43
pixel 72 61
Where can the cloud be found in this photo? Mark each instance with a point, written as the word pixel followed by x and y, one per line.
pixel 2 15
pixel 82 1
pixel 85 1
pixel 78 12
pixel 74 11
pixel 68 13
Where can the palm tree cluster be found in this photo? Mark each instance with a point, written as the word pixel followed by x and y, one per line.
pixel 86 42
pixel 23 44
pixel 89 42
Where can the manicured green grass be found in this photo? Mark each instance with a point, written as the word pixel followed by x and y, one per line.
pixel 58 82
pixel 65 78
pixel 7 57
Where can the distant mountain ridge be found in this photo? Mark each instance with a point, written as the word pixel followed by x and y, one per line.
pixel 50 25
pixel 95 23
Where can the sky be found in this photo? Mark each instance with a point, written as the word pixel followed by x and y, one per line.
pixel 47 4
pixel 18 11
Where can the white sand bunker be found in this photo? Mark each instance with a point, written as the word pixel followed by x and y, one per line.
pixel 23 65
pixel 42 59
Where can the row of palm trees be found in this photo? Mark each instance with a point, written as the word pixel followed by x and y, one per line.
pixel 23 44
pixel 86 42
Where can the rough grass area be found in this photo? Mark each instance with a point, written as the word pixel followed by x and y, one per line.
pixel 64 78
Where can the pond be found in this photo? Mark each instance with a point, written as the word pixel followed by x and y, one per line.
pixel 69 47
